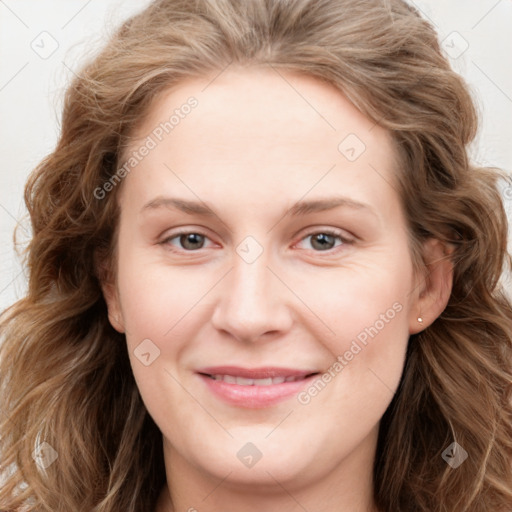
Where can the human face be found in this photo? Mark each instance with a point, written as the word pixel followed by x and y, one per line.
pixel 259 286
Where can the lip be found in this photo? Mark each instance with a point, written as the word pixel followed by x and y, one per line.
pixel 255 396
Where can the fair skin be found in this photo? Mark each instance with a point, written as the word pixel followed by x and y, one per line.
pixel 250 150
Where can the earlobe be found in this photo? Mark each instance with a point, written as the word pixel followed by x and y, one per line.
pixel 434 289
pixel 115 316
pixel 106 280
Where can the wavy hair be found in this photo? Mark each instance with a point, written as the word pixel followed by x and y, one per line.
pixel 65 376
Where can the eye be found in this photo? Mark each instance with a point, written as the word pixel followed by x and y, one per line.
pixel 321 241
pixel 324 240
pixel 188 240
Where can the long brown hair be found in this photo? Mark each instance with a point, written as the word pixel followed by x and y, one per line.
pixel 65 376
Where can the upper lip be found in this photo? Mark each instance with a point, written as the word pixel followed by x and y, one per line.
pixel 256 373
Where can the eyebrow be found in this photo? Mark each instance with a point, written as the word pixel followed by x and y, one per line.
pixel 299 208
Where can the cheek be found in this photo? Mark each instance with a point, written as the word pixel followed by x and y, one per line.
pixel 357 301
pixel 157 299
pixel 340 304
pixel 366 309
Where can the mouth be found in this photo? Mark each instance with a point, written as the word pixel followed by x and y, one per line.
pixel 243 381
pixel 255 387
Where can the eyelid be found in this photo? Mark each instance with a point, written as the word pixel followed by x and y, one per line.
pixel 181 232
pixel 342 233
pixel 335 232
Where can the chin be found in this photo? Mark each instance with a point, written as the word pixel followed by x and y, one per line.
pixel 260 462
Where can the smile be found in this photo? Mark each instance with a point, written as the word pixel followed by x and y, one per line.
pixel 243 381
pixel 254 388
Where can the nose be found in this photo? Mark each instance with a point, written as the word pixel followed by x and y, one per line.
pixel 252 305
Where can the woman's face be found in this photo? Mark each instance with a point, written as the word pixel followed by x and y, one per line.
pixel 296 263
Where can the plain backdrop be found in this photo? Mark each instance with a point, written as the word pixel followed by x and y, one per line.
pixel 42 43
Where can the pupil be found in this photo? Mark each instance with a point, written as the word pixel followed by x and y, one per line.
pixel 323 238
pixel 191 238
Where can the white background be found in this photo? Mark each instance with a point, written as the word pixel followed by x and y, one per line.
pixel 32 85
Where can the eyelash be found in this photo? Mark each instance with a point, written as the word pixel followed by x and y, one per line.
pixel 331 232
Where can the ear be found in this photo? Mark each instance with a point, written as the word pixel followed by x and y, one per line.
pixel 110 294
pixel 115 315
pixel 434 285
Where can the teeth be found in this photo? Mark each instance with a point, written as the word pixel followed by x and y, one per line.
pixel 263 382
pixel 243 381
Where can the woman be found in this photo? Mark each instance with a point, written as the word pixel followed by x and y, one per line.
pixel 338 338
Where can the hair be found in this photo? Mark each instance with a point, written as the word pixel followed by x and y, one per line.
pixel 65 376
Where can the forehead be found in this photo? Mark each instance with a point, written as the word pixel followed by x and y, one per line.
pixel 261 101
pixel 261 131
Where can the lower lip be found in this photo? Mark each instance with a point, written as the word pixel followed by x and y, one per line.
pixel 255 397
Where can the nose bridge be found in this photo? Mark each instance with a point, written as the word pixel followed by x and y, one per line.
pixel 251 303
pixel 249 283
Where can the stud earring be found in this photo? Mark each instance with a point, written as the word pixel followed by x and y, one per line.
pixel 420 320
